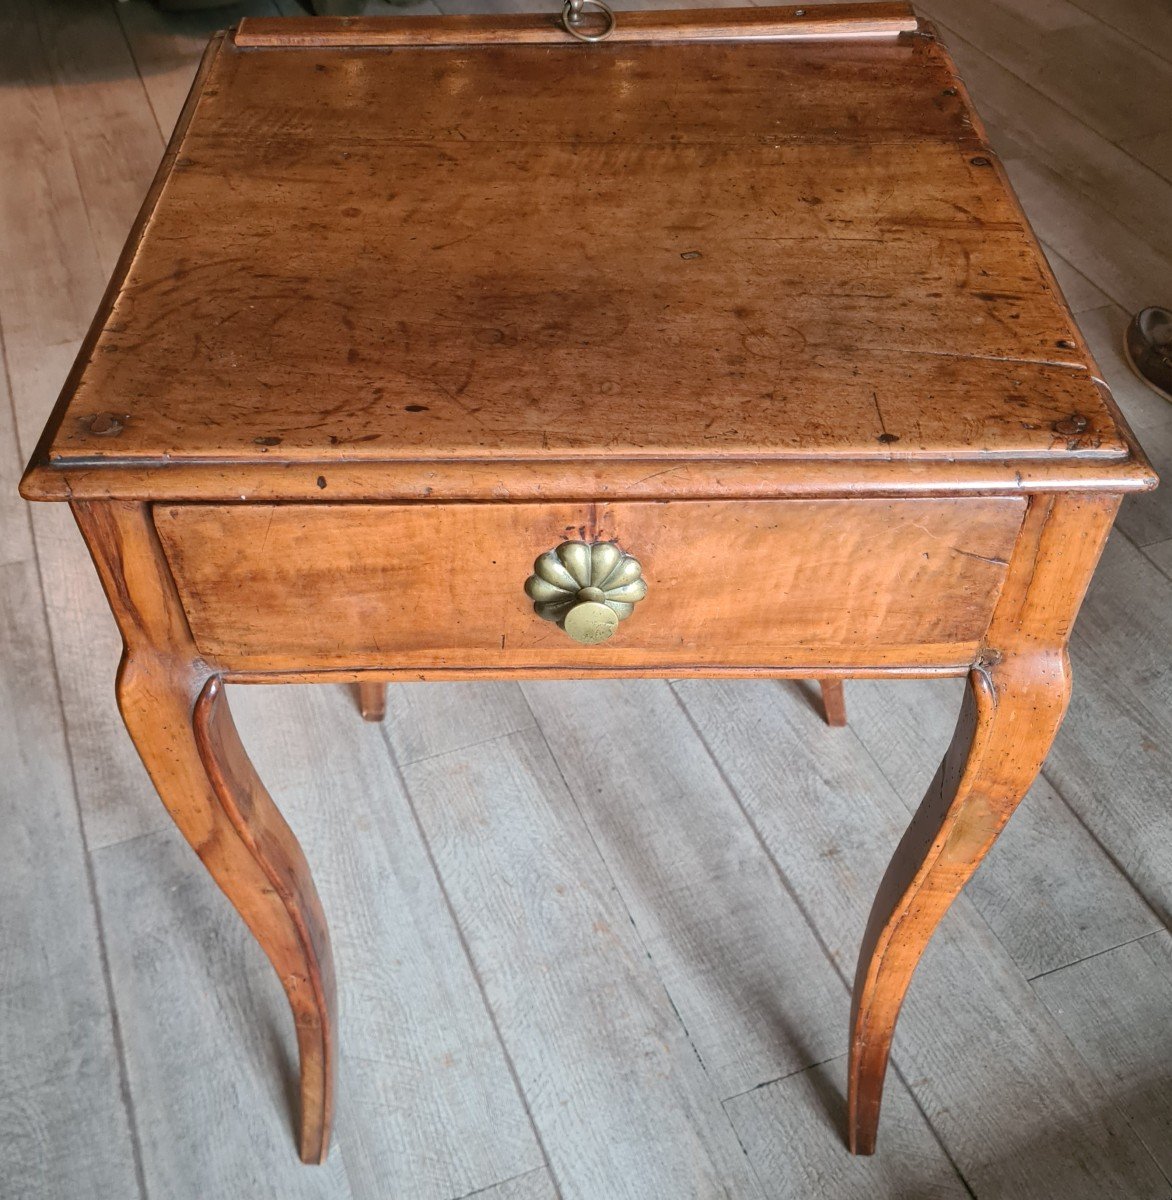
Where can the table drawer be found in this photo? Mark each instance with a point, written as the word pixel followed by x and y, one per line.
pixel 766 583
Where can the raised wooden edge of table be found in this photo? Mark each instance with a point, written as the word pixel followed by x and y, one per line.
pixel 793 23
pixel 494 480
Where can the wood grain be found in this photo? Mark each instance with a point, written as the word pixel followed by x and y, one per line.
pixel 761 584
pixel 862 157
pixel 166 47
pixel 583 479
pixel 791 1135
pixel 1123 1031
pixel 1012 416
pixel 984 1059
pixel 1005 730
pixel 616 1092
pixel 719 926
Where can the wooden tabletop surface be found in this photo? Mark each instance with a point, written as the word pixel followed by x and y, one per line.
pixel 761 250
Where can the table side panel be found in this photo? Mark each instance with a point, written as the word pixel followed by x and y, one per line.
pixel 772 584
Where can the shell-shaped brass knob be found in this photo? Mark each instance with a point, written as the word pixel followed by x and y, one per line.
pixel 587 588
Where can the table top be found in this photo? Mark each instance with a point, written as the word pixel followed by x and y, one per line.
pixel 716 238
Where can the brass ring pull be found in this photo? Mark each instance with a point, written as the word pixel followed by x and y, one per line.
pixel 587 588
pixel 572 18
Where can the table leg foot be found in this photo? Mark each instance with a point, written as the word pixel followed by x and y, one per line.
pixel 181 725
pixel 1010 714
pixel 833 701
pixel 372 701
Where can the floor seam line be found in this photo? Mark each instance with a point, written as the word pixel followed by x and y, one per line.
pixel 469 957
pixel 117 1039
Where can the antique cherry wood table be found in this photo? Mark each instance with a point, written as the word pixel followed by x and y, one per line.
pixel 459 349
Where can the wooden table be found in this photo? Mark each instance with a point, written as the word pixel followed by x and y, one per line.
pixel 730 322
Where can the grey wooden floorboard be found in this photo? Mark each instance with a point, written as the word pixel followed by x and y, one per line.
pixel 210 1052
pixel 113 139
pixel 792 1131
pixel 426 719
pixel 1047 890
pixel 1079 292
pixel 429 1108
pixel 66 1124
pixel 53 278
pixel 1017 113
pixel 1112 84
pixel 534 1185
pixel 1112 760
pixel 616 1092
pixel 1145 517
pixel 1148 22
pixel 743 968
pixel 16 542
pixel 1154 151
pixel 1114 1008
pixel 1123 265
pixel 1015 1107
pixel 166 46
pixel 1161 555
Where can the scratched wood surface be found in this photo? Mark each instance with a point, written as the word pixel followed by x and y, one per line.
pixel 945 558
pixel 1052 1077
pixel 776 249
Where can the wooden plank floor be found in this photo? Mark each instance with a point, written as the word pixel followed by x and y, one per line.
pixel 593 939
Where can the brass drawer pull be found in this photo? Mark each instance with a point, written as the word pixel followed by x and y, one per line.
pixel 586 588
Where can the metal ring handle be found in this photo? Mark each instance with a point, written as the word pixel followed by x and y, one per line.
pixel 572 14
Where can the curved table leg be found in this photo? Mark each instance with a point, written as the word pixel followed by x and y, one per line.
pixel 175 709
pixel 1010 715
pixel 185 735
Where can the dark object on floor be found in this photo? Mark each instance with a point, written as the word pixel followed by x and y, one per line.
pixel 189 5
pixel 321 8
pixel 1148 347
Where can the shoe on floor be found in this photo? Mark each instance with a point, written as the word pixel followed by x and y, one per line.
pixel 1148 346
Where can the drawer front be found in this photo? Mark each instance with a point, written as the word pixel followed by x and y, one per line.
pixel 733 584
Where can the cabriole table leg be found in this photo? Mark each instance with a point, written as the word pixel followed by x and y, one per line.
pixel 176 712
pixel 1007 723
pixel 1017 695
